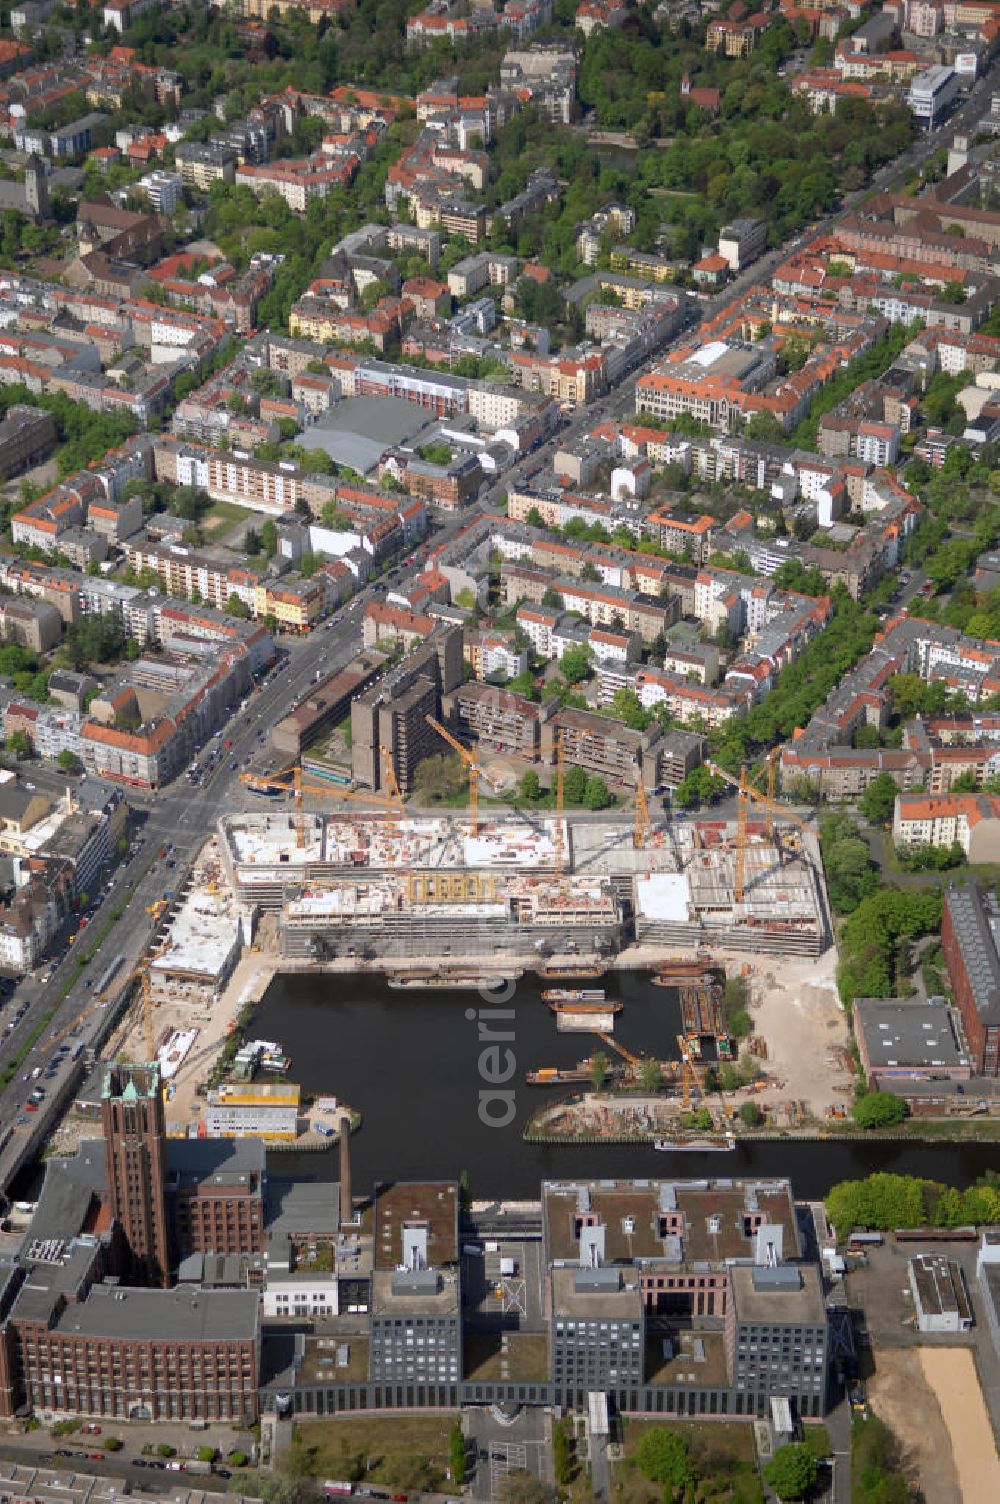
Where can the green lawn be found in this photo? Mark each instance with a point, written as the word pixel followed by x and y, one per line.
pixel 222 515
pixel 405 1451
pixel 724 1457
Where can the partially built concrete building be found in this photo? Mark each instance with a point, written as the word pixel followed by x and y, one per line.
pixel 369 886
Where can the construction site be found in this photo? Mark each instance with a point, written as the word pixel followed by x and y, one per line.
pixel 315 882
pixel 437 886
pixel 393 884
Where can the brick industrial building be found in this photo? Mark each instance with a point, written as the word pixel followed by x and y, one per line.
pixel 136 1148
pixel 970 930
pixel 74 1337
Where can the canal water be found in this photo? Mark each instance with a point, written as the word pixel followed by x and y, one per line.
pixel 431 1073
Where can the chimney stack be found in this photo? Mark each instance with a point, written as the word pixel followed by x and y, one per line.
pixel 346 1197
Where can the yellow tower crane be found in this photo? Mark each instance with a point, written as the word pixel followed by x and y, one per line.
pixel 474 767
pixel 560 803
pixel 393 797
pixel 291 781
pixel 612 1044
pixel 747 791
pixel 643 829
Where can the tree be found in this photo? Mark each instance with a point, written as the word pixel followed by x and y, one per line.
pixel 879 1201
pixel 574 664
pixel 751 1115
pixel 626 707
pixel 520 1487
pixel 650 1075
pixel 792 1471
pixel 879 799
pixel 237 607
pixel 269 537
pixel 531 788
pixel 574 784
pixel 18 742
pixel 524 684
pixel 534 518
pixel 596 794
pixel 563 1454
pixel 456 1453
pixel 850 876
pixel 68 761
pixel 879 1109
pixel 699 787
pixel 438 779
pixel 189 503
pixel 598 1069
pixel 665 1457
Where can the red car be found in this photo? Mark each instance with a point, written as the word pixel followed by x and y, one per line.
pixel 31 1106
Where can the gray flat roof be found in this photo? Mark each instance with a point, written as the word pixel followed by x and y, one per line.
pixel 358 430
pixel 804 1304
pixel 438 1301
pixel 975 917
pixel 182 1314
pixel 294 1207
pixel 900 1032
pixel 200 1159
pixel 570 1299
pixel 68 1190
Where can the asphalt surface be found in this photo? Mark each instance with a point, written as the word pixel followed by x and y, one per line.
pixel 113 1464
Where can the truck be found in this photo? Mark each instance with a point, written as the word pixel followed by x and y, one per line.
pixel 336 1488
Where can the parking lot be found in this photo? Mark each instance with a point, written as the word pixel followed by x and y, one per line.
pixel 501 1445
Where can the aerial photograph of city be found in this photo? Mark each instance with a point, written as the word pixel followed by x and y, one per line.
pixel 500 751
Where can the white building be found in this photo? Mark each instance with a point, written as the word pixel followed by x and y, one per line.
pixel 932 94
pixel 940 1297
pixel 163 189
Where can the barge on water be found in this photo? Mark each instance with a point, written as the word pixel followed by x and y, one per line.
pixel 612 1006
pixel 568 972
pixel 715 1144
pixel 460 981
pixel 573 995
pixel 551 1075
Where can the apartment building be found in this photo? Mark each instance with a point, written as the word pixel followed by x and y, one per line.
pixel 392 713
pixel 498 718
pixel 203 163
pixel 692 539
pixel 27 436
pixel 971 821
